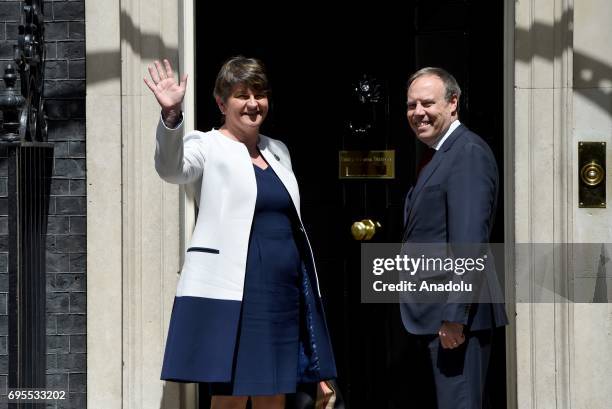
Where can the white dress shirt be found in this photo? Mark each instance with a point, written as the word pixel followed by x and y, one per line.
pixel 451 128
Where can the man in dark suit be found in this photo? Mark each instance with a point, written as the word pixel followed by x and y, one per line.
pixel 453 202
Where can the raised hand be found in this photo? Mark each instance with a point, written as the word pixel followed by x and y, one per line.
pixel 167 91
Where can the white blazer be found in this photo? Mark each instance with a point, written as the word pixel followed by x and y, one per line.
pixel 226 206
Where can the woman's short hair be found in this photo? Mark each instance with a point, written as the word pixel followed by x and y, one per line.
pixel 451 85
pixel 249 72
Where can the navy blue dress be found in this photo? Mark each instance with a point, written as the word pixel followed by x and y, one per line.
pixel 266 356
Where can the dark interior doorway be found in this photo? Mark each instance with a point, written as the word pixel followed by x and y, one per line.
pixel 315 55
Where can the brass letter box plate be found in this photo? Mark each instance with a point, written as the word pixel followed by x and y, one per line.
pixel 367 164
pixel 592 174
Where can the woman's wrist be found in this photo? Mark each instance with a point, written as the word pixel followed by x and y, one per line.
pixel 172 117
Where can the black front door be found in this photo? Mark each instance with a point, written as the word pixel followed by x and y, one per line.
pixel 315 60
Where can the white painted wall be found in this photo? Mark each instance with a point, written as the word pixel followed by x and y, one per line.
pixel 592 348
pixel 134 218
pixel 563 95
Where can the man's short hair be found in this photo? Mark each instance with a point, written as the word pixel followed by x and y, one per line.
pixel 451 85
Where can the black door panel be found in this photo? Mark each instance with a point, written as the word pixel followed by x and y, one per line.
pixel 315 56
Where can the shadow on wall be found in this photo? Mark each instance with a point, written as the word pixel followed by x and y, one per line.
pixel 590 75
pixel 148 46
pixel 529 44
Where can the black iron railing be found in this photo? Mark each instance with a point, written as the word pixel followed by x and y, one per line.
pixel 23 135
pixel 29 173
pixel 23 114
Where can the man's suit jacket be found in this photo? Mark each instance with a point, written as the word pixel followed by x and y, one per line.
pixel 454 201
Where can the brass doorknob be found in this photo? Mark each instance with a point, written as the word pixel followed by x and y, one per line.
pixel 364 229
pixel 592 173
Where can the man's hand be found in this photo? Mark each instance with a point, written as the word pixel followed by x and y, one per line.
pixel 168 92
pixel 451 335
